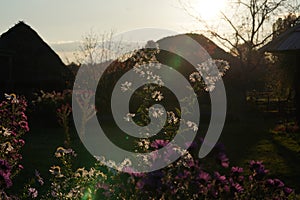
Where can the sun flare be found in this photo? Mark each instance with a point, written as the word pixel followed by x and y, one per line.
pixel 209 9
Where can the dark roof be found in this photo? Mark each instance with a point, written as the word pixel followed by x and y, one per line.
pixel 212 49
pixel 32 61
pixel 286 42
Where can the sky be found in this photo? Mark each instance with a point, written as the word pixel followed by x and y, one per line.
pixel 62 22
pixel 68 20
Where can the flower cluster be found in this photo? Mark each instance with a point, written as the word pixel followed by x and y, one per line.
pixel 190 178
pixel 54 96
pixel 208 73
pixel 13 124
pixel 46 103
pixel 187 178
pixel 69 183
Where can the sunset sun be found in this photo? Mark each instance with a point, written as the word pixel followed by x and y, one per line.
pixel 209 9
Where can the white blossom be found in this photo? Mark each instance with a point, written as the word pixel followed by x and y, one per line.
pixel 211 71
pixel 195 77
pixel 157 96
pixel 125 86
pixel 156 112
pixel 129 116
pixel 172 117
pixel 6 132
pixel 192 125
pixel 144 143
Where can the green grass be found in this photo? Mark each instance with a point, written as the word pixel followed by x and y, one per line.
pixel 280 153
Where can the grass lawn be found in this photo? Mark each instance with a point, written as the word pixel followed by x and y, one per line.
pixel 251 139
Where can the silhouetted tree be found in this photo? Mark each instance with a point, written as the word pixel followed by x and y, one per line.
pixel 283 24
pixel 248 27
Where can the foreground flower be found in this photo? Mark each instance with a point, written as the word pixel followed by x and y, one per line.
pixel 204 176
pixel 258 169
pixel 56 171
pixel 156 112
pixel 5 173
pixel 192 125
pixel 5 131
pixel 159 143
pixel 224 160
pixel 11 97
pixel 39 178
pixel 157 96
pixel 129 117
pixel 126 86
pixel 60 152
pixel 195 77
pixel 32 192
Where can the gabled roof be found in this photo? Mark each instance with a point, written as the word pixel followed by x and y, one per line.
pixel 288 41
pixel 32 60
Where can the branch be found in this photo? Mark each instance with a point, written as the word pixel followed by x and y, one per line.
pixel 234 28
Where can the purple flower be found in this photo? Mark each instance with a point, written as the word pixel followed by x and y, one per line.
pixel 258 169
pixel 190 163
pixel 24 125
pixel 278 183
pixel 140 184
pixel 219 178
pixel 4 166
pixel 21 141
pixel 39 178
pixel 5 172
pixel 204 176
pixel 287 191
pixel 129 170
pixel 6 179
pixel 186 174
pixel 237 187
pixel 223 160
pixel 270 182
pixel 23 116
pixel 32 192
pixel 237 170
pixel 159 143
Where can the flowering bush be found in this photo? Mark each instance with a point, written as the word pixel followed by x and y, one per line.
pixel 187 178
pixel 47 103
pixel 69 183
pixel 190 178
pixel 13 124
pixel 63 114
